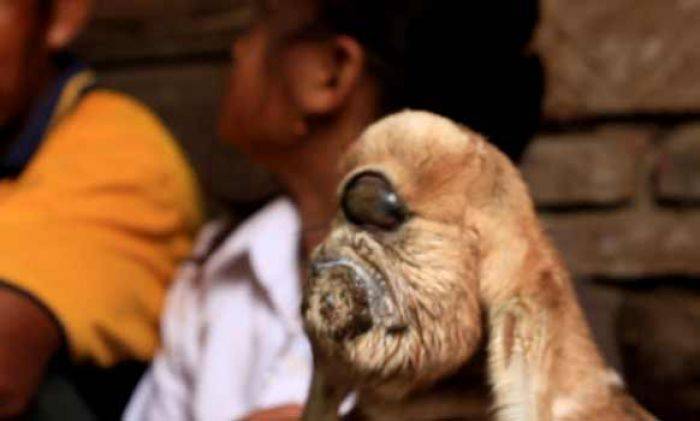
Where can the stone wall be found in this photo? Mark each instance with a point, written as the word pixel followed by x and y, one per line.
pixel 620 57
pixel 615 170
pixel 621 201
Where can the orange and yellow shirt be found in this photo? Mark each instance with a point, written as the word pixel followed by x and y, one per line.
pixel 97 208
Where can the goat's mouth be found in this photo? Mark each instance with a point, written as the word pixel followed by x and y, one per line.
pixel 349 298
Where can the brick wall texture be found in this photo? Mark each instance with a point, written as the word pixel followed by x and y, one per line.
pixel 615 169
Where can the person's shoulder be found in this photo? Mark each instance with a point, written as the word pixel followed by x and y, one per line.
pixel 278 218
pixel 111 139
pixel 110 131
pixel 231 236
pixel 104 116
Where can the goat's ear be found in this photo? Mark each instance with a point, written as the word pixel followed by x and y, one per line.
pixel 502 219
pixel 484 172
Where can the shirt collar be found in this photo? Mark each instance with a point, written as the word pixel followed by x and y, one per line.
pixel 271 240
pixel 73 80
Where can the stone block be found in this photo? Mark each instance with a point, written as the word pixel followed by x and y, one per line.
pixel 620 56
pixel 678 172
pixel 153 30
pixel 628 244
pixel 597 168
pixel 659 332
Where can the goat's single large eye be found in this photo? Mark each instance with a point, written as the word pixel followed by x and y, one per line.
pixel 369 200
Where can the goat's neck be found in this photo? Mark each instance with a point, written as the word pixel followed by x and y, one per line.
pixel 543 363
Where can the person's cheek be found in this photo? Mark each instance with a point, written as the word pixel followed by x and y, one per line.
pixel 241 113
pixel 230 109
pixel 13 31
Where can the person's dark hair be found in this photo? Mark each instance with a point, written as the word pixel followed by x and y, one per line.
pixel 45 7
pixel 466 59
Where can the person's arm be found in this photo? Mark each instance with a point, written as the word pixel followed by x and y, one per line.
pixel 289 412
pixel 28 339
pixel 96 226
pixel 284 395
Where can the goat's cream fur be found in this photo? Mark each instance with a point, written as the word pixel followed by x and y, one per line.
pixel 473 217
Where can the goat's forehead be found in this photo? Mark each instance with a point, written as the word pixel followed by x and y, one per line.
pixel 411 129
pixel 414 137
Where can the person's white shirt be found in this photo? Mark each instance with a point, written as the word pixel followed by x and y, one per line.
pixel 232 335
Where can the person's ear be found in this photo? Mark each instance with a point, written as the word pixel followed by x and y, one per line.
pixel 67 19
pixel 322 75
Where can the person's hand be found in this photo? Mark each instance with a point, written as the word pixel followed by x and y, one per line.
pixel 28 340
pixel 283 413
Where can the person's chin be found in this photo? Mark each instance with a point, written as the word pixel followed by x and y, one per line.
pixel 11 111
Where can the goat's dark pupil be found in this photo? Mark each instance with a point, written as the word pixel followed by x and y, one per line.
pixel 369 200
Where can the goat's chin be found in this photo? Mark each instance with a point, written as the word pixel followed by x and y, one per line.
pixel 394 364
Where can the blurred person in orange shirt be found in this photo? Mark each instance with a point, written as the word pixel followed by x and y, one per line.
pixel 307 77
pixel 97 208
